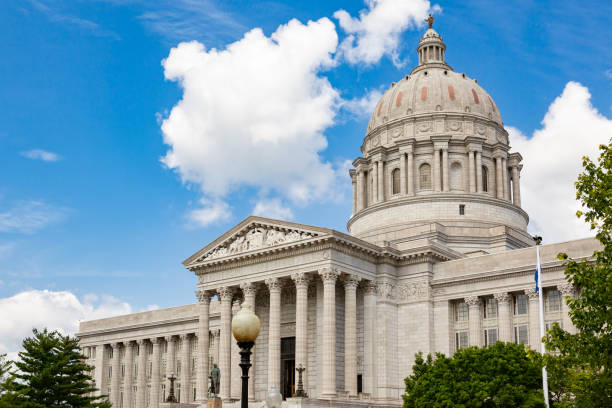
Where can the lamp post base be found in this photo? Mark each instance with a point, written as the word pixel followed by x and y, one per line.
pixel 245 364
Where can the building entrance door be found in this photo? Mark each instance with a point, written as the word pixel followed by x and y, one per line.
pixel 287 367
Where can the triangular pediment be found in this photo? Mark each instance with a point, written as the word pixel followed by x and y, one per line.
pixel 252 234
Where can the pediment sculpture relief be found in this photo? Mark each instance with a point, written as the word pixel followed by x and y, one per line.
pixel 256 238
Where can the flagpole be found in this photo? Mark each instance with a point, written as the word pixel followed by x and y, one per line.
pixel 542 327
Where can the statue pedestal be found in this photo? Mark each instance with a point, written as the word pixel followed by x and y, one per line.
pixel 213 403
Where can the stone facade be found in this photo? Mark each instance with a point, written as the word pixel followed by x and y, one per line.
pixel 437 258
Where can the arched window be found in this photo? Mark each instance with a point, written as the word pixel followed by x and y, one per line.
pixel 456 177
pixel 485 179
pixel 395 175
pixel 425 177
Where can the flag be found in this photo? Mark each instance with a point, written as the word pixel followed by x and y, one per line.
pixel 537 288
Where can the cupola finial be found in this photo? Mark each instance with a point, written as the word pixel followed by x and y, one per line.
pixel 430 21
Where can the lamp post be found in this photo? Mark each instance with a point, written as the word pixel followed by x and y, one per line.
pixel 245 328
pixel 171 397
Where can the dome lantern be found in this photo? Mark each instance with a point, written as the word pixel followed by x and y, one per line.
pixel 431 48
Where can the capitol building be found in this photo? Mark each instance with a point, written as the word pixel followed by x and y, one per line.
pixel 437 257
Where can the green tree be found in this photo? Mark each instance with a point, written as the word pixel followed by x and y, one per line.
pixel 51 373
pixel 502 375
pixel 5 366
pixel 580 366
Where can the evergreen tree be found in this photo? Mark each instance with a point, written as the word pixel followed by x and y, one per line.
pixel 502 375
pixel 51 373
pixel 580 367
pixel 5 366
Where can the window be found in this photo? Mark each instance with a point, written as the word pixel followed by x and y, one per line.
pixel 461 340
pixel 150 369
pixel 553 300
pixel 110 371
pixel 485 179
pixel 93 352
pixel 549 325
pixel 165 347
pixel 425 177
pixel 110 353
pixel 395 175
pixel 194 394
pixel 359 383
pixel 490 308
pixel 490 336
pixel 178 366
pixel 122 370
pixel 461 312
pixel 461 209
pixel 520 304
pixel 521 334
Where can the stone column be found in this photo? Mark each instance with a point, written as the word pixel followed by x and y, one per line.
pixel 350 334
pixel 445 175
pixel 225 360
pixel 129 373
pixel 115 396
pixel 505 178
pixel 474 320
pixel 203 344
pixel 142 374
pixel 329 276
pixel 504 316
pixel 410 173
pixel 217 341
pixel 381 181
pixel 534 318
pixel 361 183
pixel 471 172
pixel 249 290
pixel 479 172
pixel 374 182
pixel 369 338
pixel 301 321
pixel 185 367
pixel 155 373
pixel 402 163
pixel 236 382
pixel 99 371
pixel 354 185
pixel 274 343
pixel 170 359
pixel 516 186
pixel 436 169
pixel 498 178
pixel 567 291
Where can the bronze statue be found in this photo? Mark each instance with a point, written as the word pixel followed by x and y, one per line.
pixel 215 379
pixel 430 21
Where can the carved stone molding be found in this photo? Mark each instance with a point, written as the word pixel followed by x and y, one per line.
pixel 385 290
pixel 531 293
pixel 204 295
pixel 274 284
pixel 184 336
pixel 502 297
pixel 169 339
pixel 329 275
pixel 416 291
pixel 128 344
pixel 472 301
pixel 567 289
pixel 216 332
pixel 116 345
pixel 140 342
pixel 351 281
pixel 225 293
pixel 155 340
pixel 257 237
pixel 369 288
pixel 301 279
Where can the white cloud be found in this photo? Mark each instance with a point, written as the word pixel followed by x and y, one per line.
pixel 378 29
pixel 608 73
pixel 272 208
pixel 54 310
pixel 365 105
pixel 209 213
pixel 38 154
pixel 253 115
pixel 28 217
pixel 572 128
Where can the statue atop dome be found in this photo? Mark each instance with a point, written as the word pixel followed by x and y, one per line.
pixel 430 21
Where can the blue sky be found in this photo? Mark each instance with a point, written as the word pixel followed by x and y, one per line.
pixel 89 206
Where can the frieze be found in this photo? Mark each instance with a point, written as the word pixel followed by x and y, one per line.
pixel 397 132
pixel 413 292
pixel 256 238
pixel 425 127
pixel 385 290
pixel 454 125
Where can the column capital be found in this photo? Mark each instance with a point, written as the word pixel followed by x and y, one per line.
pixel 274 285
pixel 531 293
pixel 225 293
pixel 116 345
pixel 249 288
pixel 184 336
pixel 567 289
pixel 155 340
pixel 128 344
pixel 329 275
pixel 472 301
pixel 502 297
pixel 169 339
pixel 204 296
pixel 140 342
pixel 301 279
pixel 216 332
pixel 369 287
pixel 351 281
